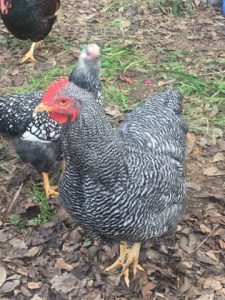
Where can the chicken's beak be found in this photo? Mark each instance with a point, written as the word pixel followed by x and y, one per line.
pixel 42 107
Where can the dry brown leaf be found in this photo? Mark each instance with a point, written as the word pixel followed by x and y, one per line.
pixel 125 24
pixel 33 252
pixel 112 110
pixel 66 283
pixel 205 229
pixel 25 291
pixel 32 285
pixel 3 275
pixel 36 297
pixel 61 264
pixel 217 132
pixel 9 286
pixel 213 171
pixel 126 79
pixel 18 243
pixel 212 255
pixel 218 157
pixel 222 244
pixel 211 283
pixel 147 288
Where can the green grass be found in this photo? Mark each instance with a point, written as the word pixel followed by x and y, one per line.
pixel 119 96
pixel 117 59
pixel 41 81
pixel 176 7
pixel 20 224
pixel 200 87
pixel 45 211
pixel 205 84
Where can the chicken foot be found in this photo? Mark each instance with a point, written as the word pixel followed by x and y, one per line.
pixel 49 190
pixel 127 257
pixel 30 54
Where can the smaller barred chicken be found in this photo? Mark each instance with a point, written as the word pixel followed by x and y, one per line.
pixel 36 137
pixel 125 184
pixel 29 19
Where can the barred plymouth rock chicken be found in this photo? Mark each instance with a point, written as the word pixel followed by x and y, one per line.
pixel 125 184
pixel 29 19
pixel 36 136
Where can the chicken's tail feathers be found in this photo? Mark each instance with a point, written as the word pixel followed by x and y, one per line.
pixel 172 98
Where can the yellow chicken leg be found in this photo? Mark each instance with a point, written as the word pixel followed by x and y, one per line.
pixel 49 190
pixel 29 55
pixel 127 257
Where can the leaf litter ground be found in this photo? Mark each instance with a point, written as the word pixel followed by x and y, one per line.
pixel 54 260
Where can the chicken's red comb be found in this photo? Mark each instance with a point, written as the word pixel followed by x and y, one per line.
pixel 53 89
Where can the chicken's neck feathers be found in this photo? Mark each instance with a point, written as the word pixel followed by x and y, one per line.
pixel 92 145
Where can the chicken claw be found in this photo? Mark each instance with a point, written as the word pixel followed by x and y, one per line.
pixel 127 257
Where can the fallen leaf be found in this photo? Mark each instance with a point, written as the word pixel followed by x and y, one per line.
pixel 82 271
pixel 218 157
pixel 33 252
pixel 32 285
pixel 66 283
pixel 221 144
pixel 213 171
pixel 25 292
pixel 206 297
pixel 3 275
pixel 61 264
pixel 112 110
pixel 211 283
pixel 36 297
pixel 9 286
pixel 147 288
pixel 217 132
pixel 126 79
pixel 197 2
pixel 222 244
pixel 204 228
pixel 18 80
pixel 18 243
pixel 194 186
pixel 212 255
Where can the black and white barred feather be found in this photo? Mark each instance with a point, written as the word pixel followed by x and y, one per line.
pixel 126 183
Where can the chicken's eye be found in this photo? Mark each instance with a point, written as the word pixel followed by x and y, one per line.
pixel 63 102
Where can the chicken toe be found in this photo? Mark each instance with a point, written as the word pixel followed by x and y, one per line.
pixel 128 256
pixel 29 55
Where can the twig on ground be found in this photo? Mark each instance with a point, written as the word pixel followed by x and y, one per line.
pixel 208 236
pixel 6 213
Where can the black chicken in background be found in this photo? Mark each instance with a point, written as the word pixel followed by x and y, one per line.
pixel 36 137
pixel 29 19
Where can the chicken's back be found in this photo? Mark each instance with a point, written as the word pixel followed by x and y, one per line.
pixel 31 19
pixel 157 125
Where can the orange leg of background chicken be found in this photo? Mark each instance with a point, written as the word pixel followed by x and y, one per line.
pixel 49 190
pixel 128 256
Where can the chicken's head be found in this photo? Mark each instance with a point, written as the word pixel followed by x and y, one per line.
pixel 4 6
pixel 60 107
